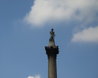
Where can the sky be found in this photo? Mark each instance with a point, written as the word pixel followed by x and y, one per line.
pixel 24 32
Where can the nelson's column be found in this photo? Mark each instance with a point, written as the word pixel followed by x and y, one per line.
pixel 52 51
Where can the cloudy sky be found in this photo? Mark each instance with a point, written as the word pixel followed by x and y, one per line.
pixel 24 31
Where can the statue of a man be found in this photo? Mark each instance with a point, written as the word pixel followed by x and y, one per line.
pixel 51 40
pixel 52 35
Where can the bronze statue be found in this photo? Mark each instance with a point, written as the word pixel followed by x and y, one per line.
pixel 51 40
pixel 52 34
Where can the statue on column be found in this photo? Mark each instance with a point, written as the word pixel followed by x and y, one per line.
pixel 51 40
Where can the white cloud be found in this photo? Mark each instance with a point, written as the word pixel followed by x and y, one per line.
pixel 86 35
pixel 36 76
pixel 52 10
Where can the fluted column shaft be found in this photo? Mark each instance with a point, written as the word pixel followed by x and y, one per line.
pixel 52 68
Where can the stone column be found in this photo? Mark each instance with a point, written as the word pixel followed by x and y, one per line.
pixel 52 51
